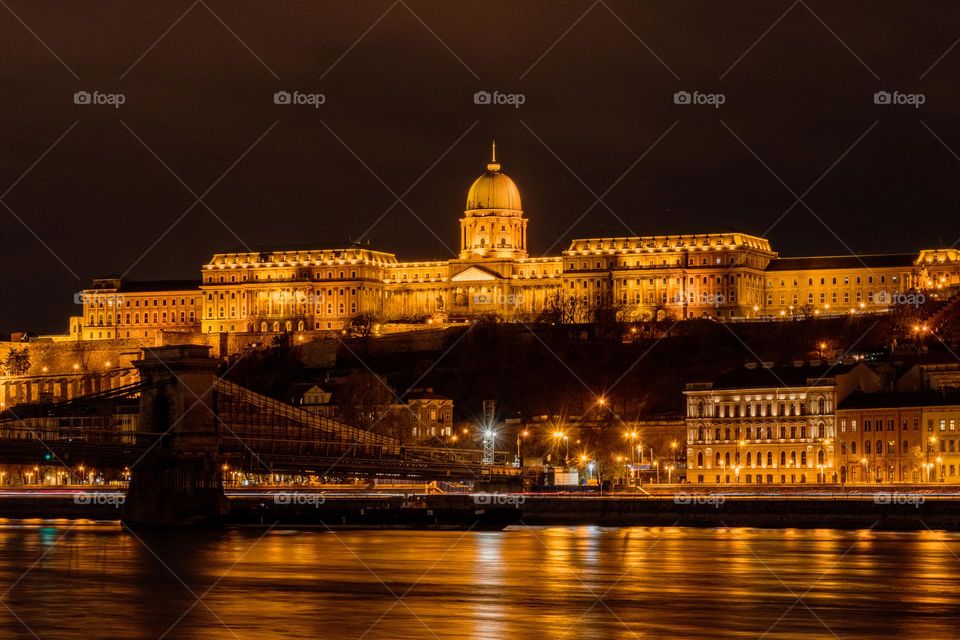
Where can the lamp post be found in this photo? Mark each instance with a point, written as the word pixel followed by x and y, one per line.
pixel 673 446
pixel 557 439
pixel 932 441
pixel 520 434
pixel 824 443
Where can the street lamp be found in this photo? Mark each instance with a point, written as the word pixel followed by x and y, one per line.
pixel 932 442
pixel 824 443
pixel 520 435
pixel 632 437
pixel 560 436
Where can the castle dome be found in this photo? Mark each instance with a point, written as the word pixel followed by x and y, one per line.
pixel 494 190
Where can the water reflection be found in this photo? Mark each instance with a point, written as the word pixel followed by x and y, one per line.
pixel 89 580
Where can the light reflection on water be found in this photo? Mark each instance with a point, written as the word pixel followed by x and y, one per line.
pixel 99 581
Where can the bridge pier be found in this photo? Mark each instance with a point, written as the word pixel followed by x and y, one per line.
pixel 178 481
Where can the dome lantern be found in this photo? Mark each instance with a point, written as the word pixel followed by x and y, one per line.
pixel 494 190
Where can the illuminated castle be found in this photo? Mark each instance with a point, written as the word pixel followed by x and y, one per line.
pixel 720 275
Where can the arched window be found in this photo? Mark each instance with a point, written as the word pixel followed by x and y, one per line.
pixel 700 409
pixel 821 406
pixel 700 433
pixel 803 458
pixel 821 429
pixel 727 458
pixel 906 446
pixel 748 459
pixel 716 434
pixel 843 447
pixel 716 461
pixel 879 447
pixel 726 433
pixel 769 458
pixel 820 457
pixel 783 458
pixel 853 448
pixel 866 446
pixel 793 458
pixel 700 459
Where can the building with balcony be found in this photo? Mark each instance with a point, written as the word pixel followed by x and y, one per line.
pixel 766 424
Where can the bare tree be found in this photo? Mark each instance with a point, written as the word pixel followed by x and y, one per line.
pixel 364 400
pixel 560 308
pixel 364 325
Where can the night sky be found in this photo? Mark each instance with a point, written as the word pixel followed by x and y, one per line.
pixel 399 119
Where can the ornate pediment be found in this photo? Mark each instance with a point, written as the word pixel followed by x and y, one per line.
pixel 476 274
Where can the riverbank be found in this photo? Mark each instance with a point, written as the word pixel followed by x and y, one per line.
pixel 893 511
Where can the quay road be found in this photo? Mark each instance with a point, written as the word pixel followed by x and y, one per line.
pixel 893 507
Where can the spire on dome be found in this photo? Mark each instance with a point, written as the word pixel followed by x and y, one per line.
pixel 493 165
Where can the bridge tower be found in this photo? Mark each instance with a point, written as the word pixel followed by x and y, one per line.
pixel 178 480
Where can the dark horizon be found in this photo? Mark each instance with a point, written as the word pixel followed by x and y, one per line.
pixel 109 190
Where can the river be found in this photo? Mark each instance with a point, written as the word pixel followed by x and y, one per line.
pixel 98 580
